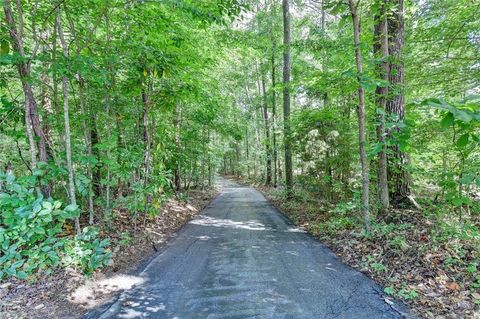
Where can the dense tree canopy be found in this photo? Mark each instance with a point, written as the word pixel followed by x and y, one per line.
pixel 119 103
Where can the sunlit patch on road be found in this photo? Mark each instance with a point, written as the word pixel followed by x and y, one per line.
pixel 218 222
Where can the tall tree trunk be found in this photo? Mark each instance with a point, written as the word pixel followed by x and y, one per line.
pixel 108 89
pixel 209 159
pixel 398 175
pixel 94 140
pixel 46 104
pixel 23 66
pixel 31 140
pixel 225 164
pixel 274 101
pixel 380 49
pixel 68 146
pixel 361 113
pixel 88 147
pixel 176 174
pixel 286 96
pixel 237 158
pixel 204 153
pixel 247 152
pixel 261 93
pixel 147 140
pixel 268 180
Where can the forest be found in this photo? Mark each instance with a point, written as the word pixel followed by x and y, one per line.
pixel 359 119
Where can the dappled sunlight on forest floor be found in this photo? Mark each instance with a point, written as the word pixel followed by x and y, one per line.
pixel 69 294
pixel 96 291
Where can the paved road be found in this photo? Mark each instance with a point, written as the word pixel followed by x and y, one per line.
pixel 240 258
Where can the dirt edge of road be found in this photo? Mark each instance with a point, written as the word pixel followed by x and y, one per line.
pixel 69 294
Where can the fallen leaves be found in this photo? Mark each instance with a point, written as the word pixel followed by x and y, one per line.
pixel 433 274
pixel 453 286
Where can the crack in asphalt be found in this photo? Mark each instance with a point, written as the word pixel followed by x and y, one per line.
pixel 240 258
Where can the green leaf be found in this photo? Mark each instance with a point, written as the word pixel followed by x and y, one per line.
pixel 71 211
pixel 457 201
pixel 463 116
pixel 47 205
pixel 467 179
pixel 447 120
pixel 389 290
pixel 71 208
pixel 4 47
pixel 462 140
pixel 21 275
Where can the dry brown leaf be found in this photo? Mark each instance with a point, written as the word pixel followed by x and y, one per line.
pixel 453 286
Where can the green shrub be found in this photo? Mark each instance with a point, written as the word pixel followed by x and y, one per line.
pixel 86 251
pixel 30 234
pixel 336 224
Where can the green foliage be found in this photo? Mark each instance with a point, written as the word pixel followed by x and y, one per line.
pixel 336 224
pixel 86 251
pixel 398 243
pixel 32 234
pixel 404 293
pixel 389 290
pixel 375 265
pixel 407 294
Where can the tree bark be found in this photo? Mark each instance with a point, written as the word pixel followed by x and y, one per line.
pixel 274 101
pixel 361 114
pixel 176 174
pixel 147 140
pixel 398 175
pixel 94 140
pixel 209 158
pixel 31 111
pixel 268 180
pixel 68 146
pixel 380 49
pixel 247 152
pixel 286 96
pixel 88 147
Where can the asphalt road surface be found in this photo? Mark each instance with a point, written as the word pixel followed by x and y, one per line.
pixel 240 258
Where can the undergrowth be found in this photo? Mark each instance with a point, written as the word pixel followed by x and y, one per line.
pixel 35 236
pixel 428 258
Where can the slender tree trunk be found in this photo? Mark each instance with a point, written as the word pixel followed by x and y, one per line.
pixel 147 140
pixel 398 161
pixel 68 146
pixel 31 141
pixel 237 158
pixel 176 174
pixel 88 146
pixel 380 48
pixel 47 107
pixel 286 96
pixel 209 159
pixel 325 56
pixel 225 164
pixel 204 153
pixel 257 140
pixel 261 93
pixel 16 34
pixel 94 140
pixel 108 88
pixel 268 180
pixel 247 152
pixel 56 107
pixel 361 114
pixel 274 103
